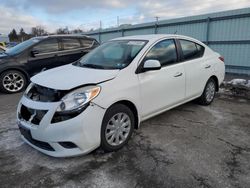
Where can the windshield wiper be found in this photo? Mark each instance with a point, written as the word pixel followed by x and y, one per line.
pixel 92 66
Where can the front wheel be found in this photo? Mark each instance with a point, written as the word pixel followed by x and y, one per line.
pixel 117 127
pixel 12 81
pixel 208 94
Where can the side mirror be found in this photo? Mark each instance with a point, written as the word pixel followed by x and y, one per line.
pixel 33 53
pixel 151 64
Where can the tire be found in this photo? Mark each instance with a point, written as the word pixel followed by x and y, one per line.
pixel 12 81
pixel 208 94
pixel 111 126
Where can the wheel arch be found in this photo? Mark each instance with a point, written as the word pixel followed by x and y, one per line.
pixel 132 107
pixel 216 81
pixel 17 69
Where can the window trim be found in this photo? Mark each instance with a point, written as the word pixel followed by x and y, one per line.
pixel 182 59
pixel 139 68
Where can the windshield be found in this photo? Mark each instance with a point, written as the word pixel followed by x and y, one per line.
pixel 22 46
pixel 112 55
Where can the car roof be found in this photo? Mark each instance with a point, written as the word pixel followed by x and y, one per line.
pixel 65 36
pixel 155 37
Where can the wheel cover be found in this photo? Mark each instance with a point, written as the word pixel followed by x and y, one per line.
pixel 13 82
pixel 118 129
pixel 210 91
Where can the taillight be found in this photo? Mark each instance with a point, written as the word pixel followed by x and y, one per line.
pixel 221 58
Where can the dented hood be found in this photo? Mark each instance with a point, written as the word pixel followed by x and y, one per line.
pixel 69 76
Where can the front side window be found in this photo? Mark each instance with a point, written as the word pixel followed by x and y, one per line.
pixel 191 50
pixel 69 44
pixel 22 46
pixel 112 55
pixel 47 46
pixel 164 51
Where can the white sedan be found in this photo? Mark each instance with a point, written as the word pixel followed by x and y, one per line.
pixel 100 99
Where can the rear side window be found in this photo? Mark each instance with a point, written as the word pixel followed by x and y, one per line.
pixel 70 44
pixel 164 51
pixel 47 46
pixel 87 43
pixel 191 50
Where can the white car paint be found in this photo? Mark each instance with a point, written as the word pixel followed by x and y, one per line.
pixel 151 92
pixel 69 76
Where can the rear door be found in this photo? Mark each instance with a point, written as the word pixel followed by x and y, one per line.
pixel 162 88
pixel 195 67
pixel 45 55
pixel 71 50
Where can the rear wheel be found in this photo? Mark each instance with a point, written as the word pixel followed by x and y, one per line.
pixel 117 127
pixel 208 94
pixel 12 81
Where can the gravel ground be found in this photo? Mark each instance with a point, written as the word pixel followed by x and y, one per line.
pixel 189 146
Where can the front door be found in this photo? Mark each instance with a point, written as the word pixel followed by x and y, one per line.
pixel 161 89
pixel 43 56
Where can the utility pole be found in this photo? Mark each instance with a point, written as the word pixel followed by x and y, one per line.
pixel 118 21
pixel 100 24
pixel 156 23
pixel 157 19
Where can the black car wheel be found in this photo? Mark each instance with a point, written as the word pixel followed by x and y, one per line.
pixel 208 94
pixel 117 127
pixel 12 81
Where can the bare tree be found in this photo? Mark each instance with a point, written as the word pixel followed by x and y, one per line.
pixel 63 31
pixel 38 31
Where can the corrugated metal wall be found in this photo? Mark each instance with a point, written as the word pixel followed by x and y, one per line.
pixel 226 32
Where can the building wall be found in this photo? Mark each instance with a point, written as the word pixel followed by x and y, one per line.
pixel 226 32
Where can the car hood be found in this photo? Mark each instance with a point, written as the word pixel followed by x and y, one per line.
pixel 69 76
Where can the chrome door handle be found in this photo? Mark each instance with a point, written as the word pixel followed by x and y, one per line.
pixel 178 74
pixel 207 66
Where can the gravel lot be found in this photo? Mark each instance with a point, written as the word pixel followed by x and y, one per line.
pixel 189 146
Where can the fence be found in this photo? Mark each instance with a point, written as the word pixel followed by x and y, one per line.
pixel 226 32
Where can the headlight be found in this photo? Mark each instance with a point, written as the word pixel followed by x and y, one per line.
pixel 28 89
pixel 77 99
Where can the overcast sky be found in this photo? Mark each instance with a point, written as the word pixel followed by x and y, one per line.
pixel 86 14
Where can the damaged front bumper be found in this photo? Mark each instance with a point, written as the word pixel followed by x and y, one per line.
pixel 71 137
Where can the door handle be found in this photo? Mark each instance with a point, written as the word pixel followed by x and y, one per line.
pixel 178 74
pixel 207 66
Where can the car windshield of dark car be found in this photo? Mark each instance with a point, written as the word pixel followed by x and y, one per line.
pixel 112 55
pixel 22 46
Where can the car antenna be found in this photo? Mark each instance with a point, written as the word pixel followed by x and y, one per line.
pixel 175 32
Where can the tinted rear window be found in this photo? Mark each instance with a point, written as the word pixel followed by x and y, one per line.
pixel 69 44
pixel 191 50
pixel 87 43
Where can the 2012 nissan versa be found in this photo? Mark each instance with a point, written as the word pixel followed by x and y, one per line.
pixel 100 99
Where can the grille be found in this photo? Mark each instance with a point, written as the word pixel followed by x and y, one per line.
pixel 44 94
pixel 32 115
pixel 27 135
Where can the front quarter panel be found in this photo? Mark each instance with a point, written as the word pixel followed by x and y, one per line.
pixel 123 87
